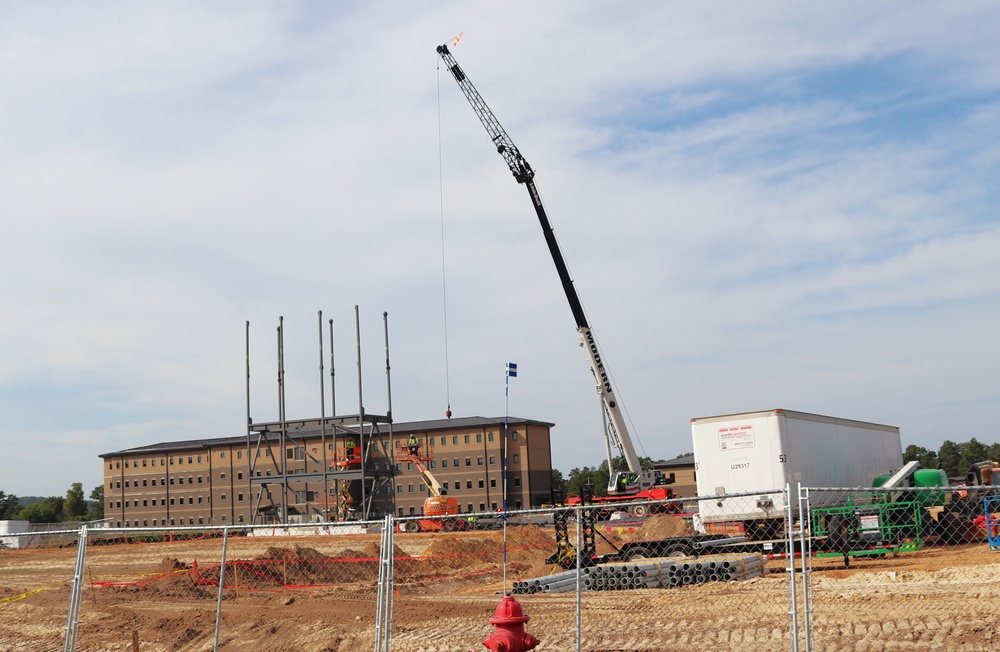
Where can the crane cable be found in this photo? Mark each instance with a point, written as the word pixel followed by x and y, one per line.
pixel 444 277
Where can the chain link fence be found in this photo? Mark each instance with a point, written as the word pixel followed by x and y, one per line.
pixel 823 569
pixel 924 560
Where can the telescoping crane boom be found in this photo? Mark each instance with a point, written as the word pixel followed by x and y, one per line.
pixel 637 480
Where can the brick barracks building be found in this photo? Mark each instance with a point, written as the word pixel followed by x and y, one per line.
pixel 308 471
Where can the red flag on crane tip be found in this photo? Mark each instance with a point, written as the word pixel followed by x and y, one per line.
pixel 455 40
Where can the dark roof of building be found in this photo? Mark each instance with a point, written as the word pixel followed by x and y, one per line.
pixel 312 428
pixel 686 460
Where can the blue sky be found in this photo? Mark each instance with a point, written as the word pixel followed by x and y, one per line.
pixel 767 206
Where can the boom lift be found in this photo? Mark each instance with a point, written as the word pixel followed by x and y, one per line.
pixel 439 505
pixel 636 483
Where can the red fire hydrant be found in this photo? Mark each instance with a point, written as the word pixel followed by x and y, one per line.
pixel 510 635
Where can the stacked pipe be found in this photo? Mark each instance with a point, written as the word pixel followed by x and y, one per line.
pixel 647 574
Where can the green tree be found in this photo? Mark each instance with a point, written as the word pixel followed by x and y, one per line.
pixel 950 456
pixel 974 451
pixel 928 459
pixel 46 510
pixel 9 506
pixel 95 508
pixel 75 505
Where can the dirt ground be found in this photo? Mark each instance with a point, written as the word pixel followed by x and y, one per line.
pixel 319 594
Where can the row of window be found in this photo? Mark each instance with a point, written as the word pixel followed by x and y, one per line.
pixel 116 484
pixel 151 502
pixel 173 521
pixel 292 453
pixel 191 459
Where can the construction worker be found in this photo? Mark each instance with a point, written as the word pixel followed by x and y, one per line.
pixel 349 447
pixel 414 445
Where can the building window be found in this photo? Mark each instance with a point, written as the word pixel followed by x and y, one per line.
pixel 409 466
pixel 456 462
pixel 481 484
pixel 399 489
pixel 454 440
pixel 126 484
pixel 517 458
pixel 493 460
pixel 222 455
pixel 517 481
pixel 145 503
pixel 489 436
pixel 514 435
pixel 200 480
pixel 470 508
pixel 479 438
pixel 144 464
pixel 223 475
pixel 239 498
pixel 239 475
pixel 172 480
pixel 445 486
pixel 189 460
pixel 493 482
pixel 222 497
pixel 180 480
pixel 444 441
pixel 468 461
pixel 479 461
pixel 482 507
pixel 200 499
pixel 409 488
pixel 444 464
pixel 199 459
pixel 468 484
pixel 171 502
pixel 466 439
pixel 422 488
pixel 239 455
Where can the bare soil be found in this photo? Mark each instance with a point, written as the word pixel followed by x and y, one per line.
pixel 319 594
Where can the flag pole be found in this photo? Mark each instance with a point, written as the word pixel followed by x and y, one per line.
pixel 511 373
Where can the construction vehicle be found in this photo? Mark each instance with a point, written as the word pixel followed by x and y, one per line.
pixel 635 483
pixel 441 508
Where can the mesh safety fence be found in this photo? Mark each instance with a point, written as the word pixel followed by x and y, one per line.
pixel 36 574
pixel 872 569
pixel 918 567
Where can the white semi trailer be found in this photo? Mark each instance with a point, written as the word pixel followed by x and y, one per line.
pixel 762 451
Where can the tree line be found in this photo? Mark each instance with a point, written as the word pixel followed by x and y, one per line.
pixel 955 459
pixel 54 509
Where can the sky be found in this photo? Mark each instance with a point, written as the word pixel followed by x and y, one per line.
pixel 776 205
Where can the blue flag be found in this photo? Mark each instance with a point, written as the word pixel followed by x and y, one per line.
pixel 511 370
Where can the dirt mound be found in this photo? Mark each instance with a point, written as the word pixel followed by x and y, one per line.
pixel 663 526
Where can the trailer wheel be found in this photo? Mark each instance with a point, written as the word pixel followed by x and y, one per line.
pixel 639 510
pixel 639 553
pixel 679 550
pixel 411 526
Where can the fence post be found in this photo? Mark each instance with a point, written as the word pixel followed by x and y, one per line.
pixel 222 584
pixel 73 617
pixel 805 533
pixel 793 604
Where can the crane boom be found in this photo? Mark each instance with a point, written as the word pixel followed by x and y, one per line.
pixel 524 174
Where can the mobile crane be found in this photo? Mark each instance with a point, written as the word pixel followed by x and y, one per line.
pixel 624 486
pixel 439 505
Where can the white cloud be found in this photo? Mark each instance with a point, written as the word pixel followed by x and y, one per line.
pixel 773 206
